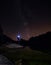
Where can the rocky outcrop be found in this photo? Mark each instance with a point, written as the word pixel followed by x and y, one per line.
pixel 5 61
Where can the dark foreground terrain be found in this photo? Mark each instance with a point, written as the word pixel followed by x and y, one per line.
pixel 26 56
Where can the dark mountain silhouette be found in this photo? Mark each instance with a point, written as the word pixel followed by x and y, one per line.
pixel 41 42
pixel 4 39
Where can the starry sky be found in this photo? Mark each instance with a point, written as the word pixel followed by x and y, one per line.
pixel 28 17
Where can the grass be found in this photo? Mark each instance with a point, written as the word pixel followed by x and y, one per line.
pixel 31 57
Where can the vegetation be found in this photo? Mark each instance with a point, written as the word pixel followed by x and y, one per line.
pixel 27 56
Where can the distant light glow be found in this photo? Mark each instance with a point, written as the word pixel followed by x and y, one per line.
pixel 18 37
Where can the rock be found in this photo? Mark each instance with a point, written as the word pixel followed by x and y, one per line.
pixel 5 61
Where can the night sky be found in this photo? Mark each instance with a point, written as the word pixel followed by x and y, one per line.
pixel 28 17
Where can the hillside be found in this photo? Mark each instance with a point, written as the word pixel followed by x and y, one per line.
pixel 41 42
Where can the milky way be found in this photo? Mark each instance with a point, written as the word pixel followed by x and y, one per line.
pixel 28 17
